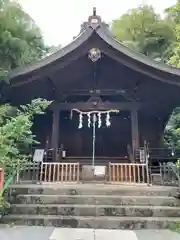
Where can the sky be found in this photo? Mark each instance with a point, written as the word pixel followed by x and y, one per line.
pixel 60 20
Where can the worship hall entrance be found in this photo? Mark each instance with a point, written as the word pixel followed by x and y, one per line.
pixel 109 141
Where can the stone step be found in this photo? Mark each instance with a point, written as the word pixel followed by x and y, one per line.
pixel 94 210
pixel 92 222
pixel 93 189
pixel 96 200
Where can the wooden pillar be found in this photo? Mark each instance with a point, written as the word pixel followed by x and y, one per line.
pixel 55 130
pixel 134 130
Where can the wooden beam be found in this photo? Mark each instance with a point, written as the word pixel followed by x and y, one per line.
pixel 55 128
pixel 102 92
pixel 134 129
pixel 126 93
pixel 99 106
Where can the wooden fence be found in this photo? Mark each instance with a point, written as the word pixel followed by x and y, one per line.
pixel 49 172
pixel 128 173
pixel 59 172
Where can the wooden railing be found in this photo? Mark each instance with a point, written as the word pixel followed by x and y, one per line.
pixel 56 172
pixel 128 173
pixel 59 172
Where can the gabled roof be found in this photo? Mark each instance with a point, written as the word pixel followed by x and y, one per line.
pixel 135 60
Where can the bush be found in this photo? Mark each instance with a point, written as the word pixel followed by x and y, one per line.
pixel 16 133
pixel 4 206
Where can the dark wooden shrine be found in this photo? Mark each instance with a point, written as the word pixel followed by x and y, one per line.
pixel 96 72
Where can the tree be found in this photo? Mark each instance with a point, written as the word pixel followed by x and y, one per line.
pixel 144 31
pixel 21 41
pixel 172 130
pixel 16 133
pixel 174 13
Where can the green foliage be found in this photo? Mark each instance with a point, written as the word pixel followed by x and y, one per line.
pixel 4 206
pixel 16 133
pixel 172 14
pixel 178 163
pixel 143 30
pixel 172 131
pixel 175 57
pixel 173 17
pixel 21 41
pixel 175 227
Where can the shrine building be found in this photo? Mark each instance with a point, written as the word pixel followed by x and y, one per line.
pixel 97 80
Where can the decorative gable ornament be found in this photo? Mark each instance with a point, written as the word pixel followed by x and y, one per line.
pixel 94 19
pixel 94 54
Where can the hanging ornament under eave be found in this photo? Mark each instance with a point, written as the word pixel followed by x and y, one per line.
pixel 94 54
pixel 95 114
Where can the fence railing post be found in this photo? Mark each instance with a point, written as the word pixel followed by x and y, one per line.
pixel 147 171
pixel 41 172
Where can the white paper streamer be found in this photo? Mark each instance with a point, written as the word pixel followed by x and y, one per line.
pixel 89 120
pixel 108 123
pixel 80 121
pixel 99 120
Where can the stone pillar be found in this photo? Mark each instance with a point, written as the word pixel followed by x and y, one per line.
pixel 134 130
pixel 55 130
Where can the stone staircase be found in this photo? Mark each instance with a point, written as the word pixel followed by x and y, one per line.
pixel 93 206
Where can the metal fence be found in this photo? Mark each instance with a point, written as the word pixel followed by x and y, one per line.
pixel 165 174
pixel 170 174
pixel 29 173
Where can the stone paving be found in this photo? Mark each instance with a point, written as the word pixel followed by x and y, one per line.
pixel 48 233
